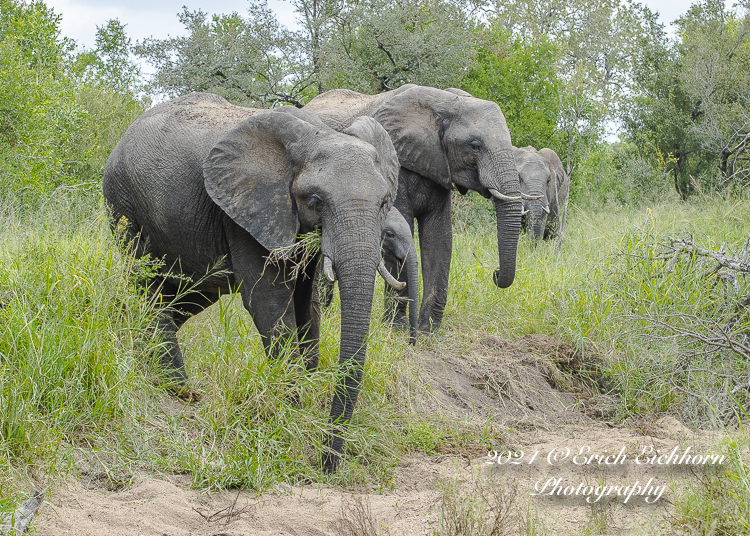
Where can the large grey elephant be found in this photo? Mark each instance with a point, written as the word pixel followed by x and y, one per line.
pixel 442 140
pixel 542 175
pixel 207 182
pixel 398 249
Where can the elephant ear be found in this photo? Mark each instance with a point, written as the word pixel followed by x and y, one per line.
pixel 559 183
pixel 555 165
pixel 414 119
pixel 370 131
pixel 248 174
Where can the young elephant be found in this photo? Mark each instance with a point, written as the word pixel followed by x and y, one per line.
pixel 542 175
pixel 398 250
pixel 209 184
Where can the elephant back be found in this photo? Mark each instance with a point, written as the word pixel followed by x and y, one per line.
pixel 338 108
pixel 202 109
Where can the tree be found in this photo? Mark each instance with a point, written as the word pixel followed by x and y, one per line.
pixel 692 107
pixel 34 29
pixel 110 63
pixel 522 79
pixel 37 101
pixel 379 45
pixel 250 61
pixel 60 113
pixel 598 44
pixel 715 74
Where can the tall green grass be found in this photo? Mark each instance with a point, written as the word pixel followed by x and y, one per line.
pixel 78 346
pixel 608 272
pixel 74 332
pixel 78 376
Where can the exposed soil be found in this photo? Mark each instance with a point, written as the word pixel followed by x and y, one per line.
pixel 539 387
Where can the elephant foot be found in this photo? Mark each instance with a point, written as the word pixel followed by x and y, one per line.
pixel 331 461
pixel 184 393
pixel 429 327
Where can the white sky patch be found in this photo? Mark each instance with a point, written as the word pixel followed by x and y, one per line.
pixel 158 18
pixel 144 18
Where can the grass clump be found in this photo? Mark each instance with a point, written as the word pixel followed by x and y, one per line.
pixel 486 508
pixel 717 502
pixel 74 336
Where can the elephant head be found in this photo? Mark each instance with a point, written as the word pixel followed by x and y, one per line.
pixel 541 175
pixel 458 140
pixel 277 176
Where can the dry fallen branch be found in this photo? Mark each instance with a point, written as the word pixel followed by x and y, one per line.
pixel 228 513
pixel 707 333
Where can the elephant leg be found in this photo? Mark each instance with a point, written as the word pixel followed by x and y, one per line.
pixel 169 322
pixel 171 360
pixel 266 292
pixel 436 244
pixel 307 315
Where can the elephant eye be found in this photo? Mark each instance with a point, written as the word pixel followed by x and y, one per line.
pixel 389 234
pixel 476 146
pixel 314 201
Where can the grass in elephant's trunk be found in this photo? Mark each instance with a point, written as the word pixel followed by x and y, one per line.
pixel 306 249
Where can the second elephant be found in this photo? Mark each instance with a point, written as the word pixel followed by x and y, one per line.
pixel 542 175
pixel 443 141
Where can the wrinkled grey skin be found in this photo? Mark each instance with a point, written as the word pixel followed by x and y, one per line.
pixel 398 249
pixel 206 183
pixel 442 140
pixel 542 174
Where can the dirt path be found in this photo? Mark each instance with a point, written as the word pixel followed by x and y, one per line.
pixel 516 383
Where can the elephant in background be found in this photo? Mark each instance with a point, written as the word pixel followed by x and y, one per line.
pixel 542 175
pixel 204 183
pixel 398 249
pixel 442 140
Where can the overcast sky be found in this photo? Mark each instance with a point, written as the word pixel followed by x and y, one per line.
pixel 158 18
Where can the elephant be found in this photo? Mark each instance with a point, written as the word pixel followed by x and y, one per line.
pixel 398 247
pixel 442 140
pixel 542 174
pixel 207 185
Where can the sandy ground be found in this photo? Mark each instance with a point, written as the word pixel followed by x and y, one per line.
pixel 520 384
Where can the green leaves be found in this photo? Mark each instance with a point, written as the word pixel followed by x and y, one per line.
pixel 383 44
pixel 521 77
pixel 249 61
pixel 694 101
pixel 60 113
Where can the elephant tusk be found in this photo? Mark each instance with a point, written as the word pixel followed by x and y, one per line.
pixel 503 197
pixel 328 269
pixel 546 209
pixel 524 212
pixel 528 197
pixel 392 281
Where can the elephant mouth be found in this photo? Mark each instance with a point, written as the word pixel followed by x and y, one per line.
pixel 382 270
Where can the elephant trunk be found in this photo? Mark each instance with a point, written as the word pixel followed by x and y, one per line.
pixel 537 218
pixel 355 258
pixel 501 168
pixel 412 287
